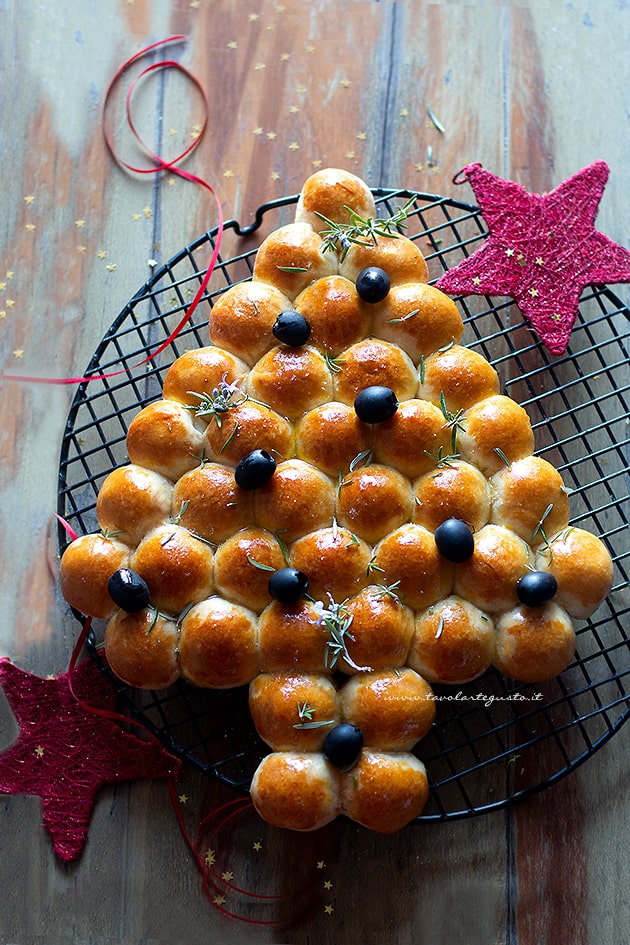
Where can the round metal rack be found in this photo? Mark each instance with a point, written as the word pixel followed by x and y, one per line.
pixel 493 740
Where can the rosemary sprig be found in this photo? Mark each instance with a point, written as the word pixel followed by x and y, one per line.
pixel 259 564
pixel 363 458
pixel 305 715
pixel 454 421
pixel 336 620
pixel 361 231
pixel 221 399
pixel 395 321
pixel 540 530
pixel 388 590
pixel 502 456
pixel 283 547
pixel 333 364
pixel 181 512
pixel 442 460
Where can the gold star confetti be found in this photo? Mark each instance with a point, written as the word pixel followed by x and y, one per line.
pixel 316 163
pixel 228 876
pixel 172 132
pixel 271 135
pixel 301 89
pixel 219 900
pixel 275 175
pixel 294 146
pixel 30 227
pixel 39 751
pixel 10 303
pixel 533 293
pixel 3 314
pixel 29 198
pixel 18 353
pixel 539 261
pixel 253 17
pixel 257 846
pixel 285 57
pixel 258 130
pixel 171 181
pixel 111 267
pixel 232 44
pixel 328 884
pixel 195 4
pixel 350 154
pixel 310 49
pixel 228 173
pixel 321 864
pixel 329 909
pixel 477 280
pixel 509 252
pixel 362 136
pixel 79 224
pixel 280 8
pixel 259 66
pixel 345 83
pixel 147 212
pixel 101 254
pixel 81 249
pixel 419 167
pixel 293 109
pixel 210 857
pixel 183 798
pixel 135 216
pixel 404 112
pixel 9 274
pixel 3 285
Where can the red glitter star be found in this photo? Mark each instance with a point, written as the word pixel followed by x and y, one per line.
pixel 65 751
pixel 541 251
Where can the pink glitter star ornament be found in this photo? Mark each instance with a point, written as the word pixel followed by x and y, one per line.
pixel 69 744
pixel 542 250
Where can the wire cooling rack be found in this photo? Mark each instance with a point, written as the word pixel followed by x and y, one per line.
pixel 493 740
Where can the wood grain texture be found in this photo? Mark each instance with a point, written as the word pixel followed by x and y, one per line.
pixel 532 90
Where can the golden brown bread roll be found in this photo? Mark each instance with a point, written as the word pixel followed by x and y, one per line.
pixel 414 440
pixel 418 318
pixel 141 648
pixel 329 192
pixel 296 790
pixel 163 437
pixel 336 315
pixel 242 566
pixel 373 362
pixel 534 644
pixel 291 258
pixel 454 490
pixel 453 642
pixel 459 375
pixel 488 579
pixel 242 319
pixel 291 380
pixel 249 426
pixel 398 256
pixel 385 791
pixel 86 566
pixel 381 629
pixel 291 711
pixel 373 500
pixel 200 371
pixel 209 504
pixel 410 557
pixel 177 567
pixel 131 501
pixel 331 437
pixel 297 500
pixel 291 638
pixel 494 430
pixel 218 646
pixel 583 568
pixel 530 497
pixel 394 709
pixel 335 561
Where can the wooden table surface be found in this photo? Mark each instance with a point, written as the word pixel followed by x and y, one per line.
pixel 534 91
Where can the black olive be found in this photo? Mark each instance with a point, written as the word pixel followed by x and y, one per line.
pixel 372 284
pixel 536 588
pixel 343 746
pixel 255 469
pixel 291 328
pixel 375 404
pixel 288 585
pixel 128 590
pixel 454 540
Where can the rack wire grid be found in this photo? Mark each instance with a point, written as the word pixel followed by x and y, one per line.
pixel 494 740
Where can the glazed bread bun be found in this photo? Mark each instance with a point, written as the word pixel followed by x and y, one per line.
pixel 242 565
pixel 534 644
pixel 414 439
pixel 530 497
pixel 209 504
pixel 291 638
pixel 296 790
pixel 291 258
pixel 330 192
pixel 331 436
pixel 459 376
pixel 250 426
pixel 218 646
pixel 418 318
pixel 492 429
pixel 198 372
pixel 385 791
pixel 373 362
pixel 86 566
pixel 163 437
pixel 453 642
pixel 381 630
pixel 583 568
pixel 335 560
pixel 178 567
pixel 334 312
pixel 297 500
pixel 132 501
pixel 291 380
pixel 488 579
pixel 409 558
pixel 373 501
pixel 142 649
pixel 293 712
pixel 453 490
pixel 394 709
pixel 242 319
pixel 398 256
